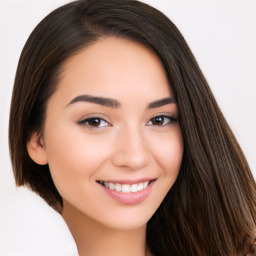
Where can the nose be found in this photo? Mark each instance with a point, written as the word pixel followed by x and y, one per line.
pixel 131 149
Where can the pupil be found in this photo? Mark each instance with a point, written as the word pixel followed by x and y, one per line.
pixel 158 120
pixel 94 122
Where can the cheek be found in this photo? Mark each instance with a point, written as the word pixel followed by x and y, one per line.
pixel 169 155
pixel 73 157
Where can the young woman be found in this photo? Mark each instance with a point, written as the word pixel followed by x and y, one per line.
pixel 113 124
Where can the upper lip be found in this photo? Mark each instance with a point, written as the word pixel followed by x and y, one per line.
pixel 128 181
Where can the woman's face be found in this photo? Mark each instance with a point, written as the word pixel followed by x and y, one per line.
pixel 111 135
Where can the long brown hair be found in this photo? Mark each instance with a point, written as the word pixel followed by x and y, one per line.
pixel 210 210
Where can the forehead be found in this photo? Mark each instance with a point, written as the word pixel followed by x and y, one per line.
pixel 114 67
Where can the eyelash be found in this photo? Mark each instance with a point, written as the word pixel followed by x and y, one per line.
pixel 99 120
pixel 163 117
pixel 93 119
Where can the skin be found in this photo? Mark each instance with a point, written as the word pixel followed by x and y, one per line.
pixel 125 141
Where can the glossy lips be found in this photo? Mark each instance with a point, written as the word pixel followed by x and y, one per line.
pixel 128 193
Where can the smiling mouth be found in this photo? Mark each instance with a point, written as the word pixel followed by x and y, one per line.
pixel 125 188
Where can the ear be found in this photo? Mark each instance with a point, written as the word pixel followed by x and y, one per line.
pixel 36 149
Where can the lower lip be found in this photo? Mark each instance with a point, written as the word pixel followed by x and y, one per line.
pixel 130 198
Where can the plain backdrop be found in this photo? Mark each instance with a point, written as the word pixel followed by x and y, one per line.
pixel 222 36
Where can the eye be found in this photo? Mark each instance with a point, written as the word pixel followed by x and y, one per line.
pixel 161 120
pixel 94 122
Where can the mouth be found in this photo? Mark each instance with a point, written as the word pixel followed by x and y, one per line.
pixel 126 188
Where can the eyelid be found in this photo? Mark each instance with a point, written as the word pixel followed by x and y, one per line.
pixel 172 118
pixel 88 117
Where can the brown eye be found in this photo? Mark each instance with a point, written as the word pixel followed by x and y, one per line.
pixel 94 122
pixel 161 120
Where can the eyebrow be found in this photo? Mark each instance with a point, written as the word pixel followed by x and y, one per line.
pixel 160 103
pixel 112 103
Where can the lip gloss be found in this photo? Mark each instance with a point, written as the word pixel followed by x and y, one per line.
pixel 129 198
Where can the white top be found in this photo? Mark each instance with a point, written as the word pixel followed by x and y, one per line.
pixel 29 226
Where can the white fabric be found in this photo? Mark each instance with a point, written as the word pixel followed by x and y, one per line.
pixel 28 226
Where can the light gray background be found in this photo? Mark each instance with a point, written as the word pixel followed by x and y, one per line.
pixel 221 34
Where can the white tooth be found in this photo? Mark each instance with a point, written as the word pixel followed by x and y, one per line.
pixel 118 187
pixel 145 184
pixel 126 188
pixel 111 186
pixel 105 184
pixel 140 186
pixel 134 188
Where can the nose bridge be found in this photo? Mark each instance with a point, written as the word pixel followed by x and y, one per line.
pixel 131 148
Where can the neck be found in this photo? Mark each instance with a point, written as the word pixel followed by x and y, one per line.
pixel 94 239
